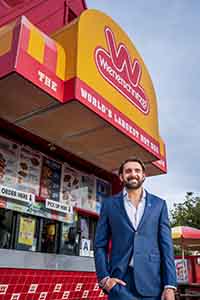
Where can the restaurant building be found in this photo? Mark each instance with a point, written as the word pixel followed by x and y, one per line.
pixel 76 99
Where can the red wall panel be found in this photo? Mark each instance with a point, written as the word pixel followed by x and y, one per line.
pixel 48 15
pixel 21 284
pixel 197 269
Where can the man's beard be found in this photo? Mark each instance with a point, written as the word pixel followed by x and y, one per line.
pixel 129 185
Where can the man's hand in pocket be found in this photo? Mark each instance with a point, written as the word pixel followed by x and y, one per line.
pixel 111 282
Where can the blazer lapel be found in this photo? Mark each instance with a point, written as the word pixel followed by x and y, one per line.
pixel 123 211
pixel 147 210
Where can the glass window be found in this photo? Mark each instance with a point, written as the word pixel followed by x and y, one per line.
pixel 6 217
pixel 49 239
pixel 87 227
pixel 84 227
pixel 69 239
pixel 93 225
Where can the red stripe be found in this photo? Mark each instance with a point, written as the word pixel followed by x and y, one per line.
pixel 50 56
pixel 20 40
pixel 24 37
pixel 190 233
pixel 30 68
pixel 137 133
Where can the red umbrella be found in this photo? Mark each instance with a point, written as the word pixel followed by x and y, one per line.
pixel 187 237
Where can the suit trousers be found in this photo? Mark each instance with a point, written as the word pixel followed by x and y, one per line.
pixel 128 292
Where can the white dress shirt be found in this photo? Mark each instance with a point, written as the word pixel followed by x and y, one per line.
pixel 134 213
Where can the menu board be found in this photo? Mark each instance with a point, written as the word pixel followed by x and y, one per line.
pixel 29 170
pixel 103 190
pixel 89 198
pixel 9 152
pixel 50 179
pixel 70 186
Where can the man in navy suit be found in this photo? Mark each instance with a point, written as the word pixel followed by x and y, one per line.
pixel 141 263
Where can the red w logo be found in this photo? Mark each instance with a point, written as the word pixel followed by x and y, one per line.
pixel 121 59
pixel 116 67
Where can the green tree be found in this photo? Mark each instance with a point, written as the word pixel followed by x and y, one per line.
pixel 186 213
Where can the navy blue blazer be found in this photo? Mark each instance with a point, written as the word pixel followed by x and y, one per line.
pixel 151 245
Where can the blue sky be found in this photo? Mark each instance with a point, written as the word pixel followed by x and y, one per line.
pixel 167 36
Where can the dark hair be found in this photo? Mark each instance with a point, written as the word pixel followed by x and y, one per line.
pixel 131 159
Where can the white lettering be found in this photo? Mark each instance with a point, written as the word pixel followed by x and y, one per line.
pixel 47 81
pixel 129 128
pixel 96 103
pixel 130 89
pixel 41 76
pixel 58 206
pixel 154 148
pixel 16 195
pixel 144 140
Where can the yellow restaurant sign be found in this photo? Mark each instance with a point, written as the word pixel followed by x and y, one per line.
pixel 93 61
pixel 111 76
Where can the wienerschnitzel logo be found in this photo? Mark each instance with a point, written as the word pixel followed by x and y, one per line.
pixel 116 67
